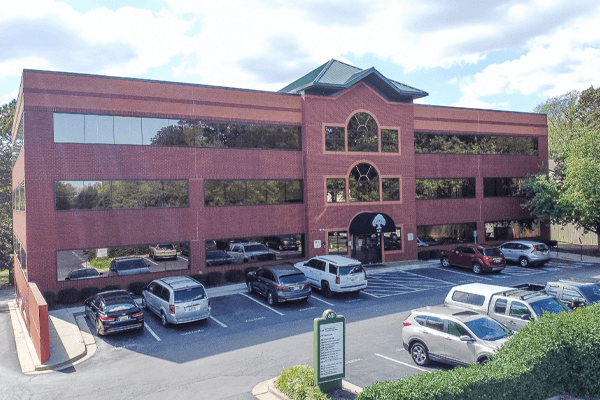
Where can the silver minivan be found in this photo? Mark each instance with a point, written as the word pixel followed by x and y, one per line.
pixel 176 300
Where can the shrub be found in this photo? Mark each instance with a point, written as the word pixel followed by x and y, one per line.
pixel 110 287
pixel 89 291
pixel 424 255
pixel 435 254
pixel 555 354
pixel 136 287
pixel 50 297
pixel 200 278
pixel 213 278
pixel 235 275
pixel 298 384
pixel 249 269
pixel 69 296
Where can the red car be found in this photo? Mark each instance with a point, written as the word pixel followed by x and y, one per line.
pixel 475 256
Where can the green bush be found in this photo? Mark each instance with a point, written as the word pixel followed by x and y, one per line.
pixel 234 275
pixel 558 353
pixel 298 383
pixel 213 278
pixel 50 297
pixel 424 255
pixel 435 254
pixel 200 278
pixel 69 296
pixel 136 287
pixel 110 287
pixel 89 291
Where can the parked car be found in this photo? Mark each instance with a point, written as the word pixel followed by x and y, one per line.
pixel 513 307
pixel 176 300
pixel 82 273
pixel 526 252
pixel 113 311
pixel 478 257
pixel 424 241
pixel 452 336
pixel 279 283
pixel 218 257
pixel 251 251
pixel 282 242
pixel 574 293
pixel 128 266
pixel 334 274
pixel 166 250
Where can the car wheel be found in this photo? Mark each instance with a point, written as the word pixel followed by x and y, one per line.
pixel 524 262
pixel 419 354
pixel 99 328
pixel 141 328
pixel 445 262
pixel 477 268
pixel 144 305
pixel 483 360
pixel 325 290
pixel 270 298
pixel 249 287
pixel 163 319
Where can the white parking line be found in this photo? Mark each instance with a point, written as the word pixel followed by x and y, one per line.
pixel 152 332
pixel 403 363
pixel 321 300
pixel 464 273
pixel 258 302
pixel 218 322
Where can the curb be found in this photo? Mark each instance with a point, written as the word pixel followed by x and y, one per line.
pixel 266 390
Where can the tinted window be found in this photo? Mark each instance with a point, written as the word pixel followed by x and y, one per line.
pixel 320 265
pixel 68 128
pixel 433 143
pixel 191 294
pixel 592 292
pixel 492 252
pixel 456 188
pixel 335 138
pixel 550 305
pixel 541 247
pixel 351 269
pixel 336 190
pixel 500 306
pixel 435 323
pixel 420 319
pixel 468 298
pixel 292 278
pixel 518 309
pixel 487 329
pixel 333 269
pixel 456 329
pixel 362 133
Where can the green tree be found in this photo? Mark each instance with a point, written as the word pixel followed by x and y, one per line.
pixel 570 192
pixel 6 121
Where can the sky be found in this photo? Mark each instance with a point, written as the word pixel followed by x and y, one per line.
pixel 501 55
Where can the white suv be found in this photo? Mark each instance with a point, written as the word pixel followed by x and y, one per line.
pixel 334 273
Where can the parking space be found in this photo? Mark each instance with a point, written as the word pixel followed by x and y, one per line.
pixel 400 282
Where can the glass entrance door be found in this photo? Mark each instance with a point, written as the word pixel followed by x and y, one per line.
pixel 366 248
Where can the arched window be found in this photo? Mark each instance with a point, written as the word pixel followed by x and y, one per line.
pixel 362 133
pixel 364 183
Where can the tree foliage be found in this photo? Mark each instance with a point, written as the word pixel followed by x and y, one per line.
pixel 570 191
pixel 6 120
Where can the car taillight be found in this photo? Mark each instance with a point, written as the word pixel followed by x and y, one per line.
pixel 486 259
pixel 306 284
pixel 208 303
pixel 337 279
pixel 105 319
pixel 282 287
pixel 405 322
pixel 139 314
pixel 534 249
pixel 158 248
pixel 172 309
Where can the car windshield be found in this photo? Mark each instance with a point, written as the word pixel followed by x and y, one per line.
pixel 256 247
pixel 351 269
pixel 191 294
pixel 591 293
pixel 487 329
pixel 492 252
pixel 292 278
pixel 548 304
pixel 216 254
pixel 123 265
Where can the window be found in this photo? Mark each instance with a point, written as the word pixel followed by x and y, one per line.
pixel 435 323
pixel 18 142
pixel 364 183
pixel 98 129
pixel 334 138
pixel 251 192
pixel 449 233
pixel 214 250
pixel 500 306
pixel 512 229
pixel 390 189
pixel 389 141
pixel 457 188
pixel 468 298
pixel 18 197
pixel 392 240
pixel 128 130
pixel 362 133
pixel 442 143
pixel 21 253
pixel 336 190
pixel 456 329
pixel 518 309
pixel 503 187
pixel 337 242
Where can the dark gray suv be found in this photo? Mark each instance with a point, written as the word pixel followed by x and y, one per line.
pixel 279 283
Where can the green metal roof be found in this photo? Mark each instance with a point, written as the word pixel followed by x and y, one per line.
pixel 333 77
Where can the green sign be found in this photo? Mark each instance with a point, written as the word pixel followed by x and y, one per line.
pixel 330 350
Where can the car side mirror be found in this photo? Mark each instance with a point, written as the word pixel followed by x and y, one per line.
pixel 526 317
pixel 466 338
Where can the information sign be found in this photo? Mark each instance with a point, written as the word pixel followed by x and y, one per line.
pixel 330 350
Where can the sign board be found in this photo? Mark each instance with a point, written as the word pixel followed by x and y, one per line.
pixel 330 350
pixel 409 236
pixel 317 244
pixel 102 253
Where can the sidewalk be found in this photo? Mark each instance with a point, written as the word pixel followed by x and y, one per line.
pixel 71 341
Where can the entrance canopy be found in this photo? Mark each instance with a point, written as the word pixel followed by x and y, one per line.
pixel 370 223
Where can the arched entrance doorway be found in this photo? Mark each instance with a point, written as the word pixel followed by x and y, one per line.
pixel 366 232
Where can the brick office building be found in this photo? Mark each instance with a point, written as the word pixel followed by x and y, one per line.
pixel 106 168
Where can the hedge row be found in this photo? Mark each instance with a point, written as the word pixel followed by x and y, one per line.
pixel 559 353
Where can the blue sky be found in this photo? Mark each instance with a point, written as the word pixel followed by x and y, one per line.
pixel 503 55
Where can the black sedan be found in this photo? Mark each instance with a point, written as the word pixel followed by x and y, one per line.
pixel 279 283
pixel 218 257
pixel 113 311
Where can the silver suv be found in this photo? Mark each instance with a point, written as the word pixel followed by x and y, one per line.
pixel 250 252
pixel 526 252
pixel 176 300
pixel 452 335
pixel 333 273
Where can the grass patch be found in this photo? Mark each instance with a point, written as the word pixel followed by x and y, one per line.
pixel 4 277
pixel 101 264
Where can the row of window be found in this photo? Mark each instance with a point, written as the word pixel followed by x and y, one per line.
pixel 361 135
pixel 108 129
pixel 114 194
pixel 363 186
pixel 20 253
pixel 463 188
pixel 18 197
pixel 442 143
pixel 252 192
pixel 19 141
